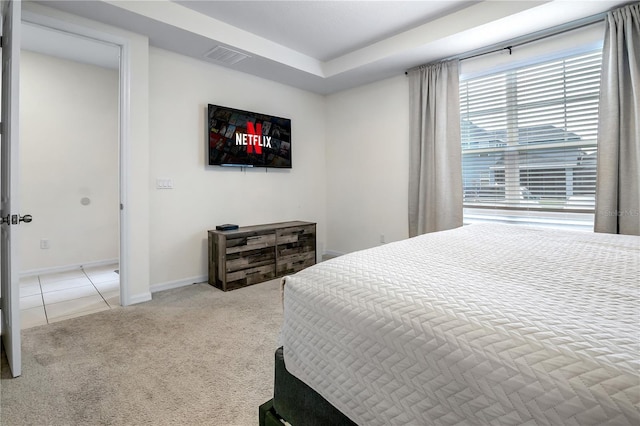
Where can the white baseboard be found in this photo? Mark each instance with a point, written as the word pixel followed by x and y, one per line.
pixel 178 283
pixel 65 268
pixel 139 298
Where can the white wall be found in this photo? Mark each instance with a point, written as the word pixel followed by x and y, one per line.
pixel 350 160
pixel 367 165
pixel 165 99
pixel 69 151
pixel 204 196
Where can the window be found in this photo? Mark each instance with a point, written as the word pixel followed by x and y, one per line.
pixel 529 141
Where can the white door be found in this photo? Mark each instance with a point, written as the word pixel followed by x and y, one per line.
pixel 10 308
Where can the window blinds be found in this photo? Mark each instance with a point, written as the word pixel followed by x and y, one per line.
pixel 529 136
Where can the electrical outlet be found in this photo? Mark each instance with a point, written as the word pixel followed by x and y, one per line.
pixel 44 244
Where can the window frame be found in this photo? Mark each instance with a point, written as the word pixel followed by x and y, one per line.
pixel 580 213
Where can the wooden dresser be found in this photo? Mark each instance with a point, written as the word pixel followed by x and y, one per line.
pixel 253 254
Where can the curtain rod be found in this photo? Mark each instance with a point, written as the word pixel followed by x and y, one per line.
pixel 522 40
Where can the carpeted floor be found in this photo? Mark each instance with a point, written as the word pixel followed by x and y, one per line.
pixel 191 356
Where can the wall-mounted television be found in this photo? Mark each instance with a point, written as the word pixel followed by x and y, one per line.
pixel 248 139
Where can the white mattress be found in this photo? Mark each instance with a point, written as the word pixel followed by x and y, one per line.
pixel 484 324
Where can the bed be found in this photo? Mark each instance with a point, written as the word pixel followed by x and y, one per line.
pixel 483 324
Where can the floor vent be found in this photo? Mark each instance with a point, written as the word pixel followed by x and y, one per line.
pixel 225 55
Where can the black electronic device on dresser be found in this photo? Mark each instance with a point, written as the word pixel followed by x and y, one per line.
pixel 252 254
pixel 227 227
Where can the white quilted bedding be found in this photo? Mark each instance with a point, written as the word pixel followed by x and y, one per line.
pixel 484 324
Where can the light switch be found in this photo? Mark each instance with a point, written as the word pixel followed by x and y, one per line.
pixel 164 183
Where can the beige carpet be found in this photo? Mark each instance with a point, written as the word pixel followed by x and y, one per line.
pixel 192 356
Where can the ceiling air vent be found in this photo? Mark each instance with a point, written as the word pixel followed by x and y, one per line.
pixel 225 55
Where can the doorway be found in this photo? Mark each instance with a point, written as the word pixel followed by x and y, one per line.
pixel 70 175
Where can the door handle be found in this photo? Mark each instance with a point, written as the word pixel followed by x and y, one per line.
pixel 15 219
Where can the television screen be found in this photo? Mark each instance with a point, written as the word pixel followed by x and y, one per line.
pixel 248 139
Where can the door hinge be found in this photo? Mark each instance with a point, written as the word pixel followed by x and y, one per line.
pixel 121 206
pixel 1 41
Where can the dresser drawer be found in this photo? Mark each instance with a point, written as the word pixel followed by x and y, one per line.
pixel 247 258
pixel 292 263
pixel 250 276
pixel 250 242
pixel 295 234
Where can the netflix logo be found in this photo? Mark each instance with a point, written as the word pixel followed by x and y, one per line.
pixel 253 139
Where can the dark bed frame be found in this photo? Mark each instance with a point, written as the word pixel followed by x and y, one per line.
pixel 296 403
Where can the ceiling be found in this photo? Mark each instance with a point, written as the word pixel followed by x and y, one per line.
pixel 328 46
pixel 325 30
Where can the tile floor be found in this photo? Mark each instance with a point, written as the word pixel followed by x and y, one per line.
pixel 48 298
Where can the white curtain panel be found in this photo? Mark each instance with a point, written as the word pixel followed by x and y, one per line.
pixel 618 175
pixel 435 165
